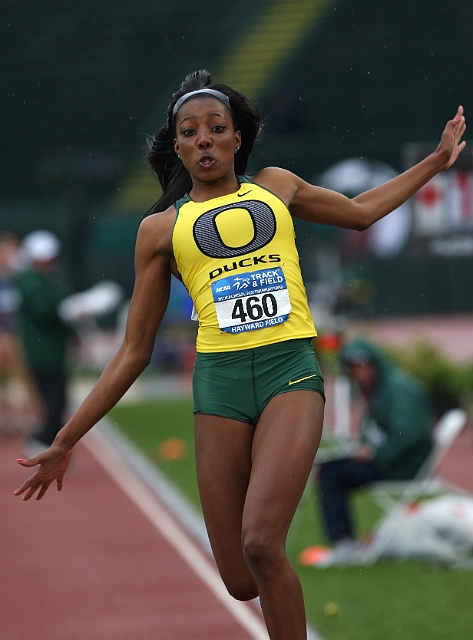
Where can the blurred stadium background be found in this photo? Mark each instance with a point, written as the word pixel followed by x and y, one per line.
pixel 351 91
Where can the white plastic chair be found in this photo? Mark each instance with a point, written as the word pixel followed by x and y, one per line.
pixel 393 496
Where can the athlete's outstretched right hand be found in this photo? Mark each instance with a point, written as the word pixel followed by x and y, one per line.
pixel 54 462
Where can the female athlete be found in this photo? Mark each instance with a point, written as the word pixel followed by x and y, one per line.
pixel 258 390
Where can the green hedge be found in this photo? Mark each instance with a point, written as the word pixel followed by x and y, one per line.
pixel 450 384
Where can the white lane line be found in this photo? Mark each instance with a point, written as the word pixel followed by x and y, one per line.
pixel 147 503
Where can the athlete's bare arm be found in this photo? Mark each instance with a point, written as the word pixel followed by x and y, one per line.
pixel 323 206
pixel 149 301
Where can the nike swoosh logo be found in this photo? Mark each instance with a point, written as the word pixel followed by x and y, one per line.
pixel 240 195
pixel 314 375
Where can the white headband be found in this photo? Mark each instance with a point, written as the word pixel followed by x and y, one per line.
pixel 212 92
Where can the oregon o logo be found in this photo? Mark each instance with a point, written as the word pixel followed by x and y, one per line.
pixel 209 241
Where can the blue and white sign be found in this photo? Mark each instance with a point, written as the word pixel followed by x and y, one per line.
pixel 250 301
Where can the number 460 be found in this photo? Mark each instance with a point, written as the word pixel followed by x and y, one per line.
pixel 254 308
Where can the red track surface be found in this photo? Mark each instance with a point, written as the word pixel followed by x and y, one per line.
pixel 86 564
pixel 458 463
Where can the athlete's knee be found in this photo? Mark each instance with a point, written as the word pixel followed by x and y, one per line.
pixel 243 592
pixel 241 588
pixel 263 553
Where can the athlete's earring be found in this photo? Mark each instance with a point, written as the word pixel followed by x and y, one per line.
pixel 237 149
pixel 179 156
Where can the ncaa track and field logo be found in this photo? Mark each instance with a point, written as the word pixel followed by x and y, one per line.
pixel 252 300
pixel 209 240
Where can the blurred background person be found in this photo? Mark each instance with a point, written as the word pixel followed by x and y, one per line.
pixel 44 335
pixel 18 397
pixel 395 440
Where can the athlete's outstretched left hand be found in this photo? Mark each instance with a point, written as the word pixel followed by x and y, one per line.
pixel 450 143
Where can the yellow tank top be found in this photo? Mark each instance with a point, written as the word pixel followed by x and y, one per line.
pixel 237 257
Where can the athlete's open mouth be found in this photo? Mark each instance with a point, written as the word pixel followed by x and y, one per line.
pixel 207 160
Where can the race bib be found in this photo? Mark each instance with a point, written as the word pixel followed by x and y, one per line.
pixel 251 301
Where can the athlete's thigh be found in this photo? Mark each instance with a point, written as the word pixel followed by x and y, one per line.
pixel 284 447
pixel 223 464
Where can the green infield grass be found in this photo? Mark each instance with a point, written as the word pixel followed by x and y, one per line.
pixel 410 600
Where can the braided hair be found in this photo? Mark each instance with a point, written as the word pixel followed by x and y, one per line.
pixel 174 178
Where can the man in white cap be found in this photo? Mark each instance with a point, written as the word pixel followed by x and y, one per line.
pixel 44 335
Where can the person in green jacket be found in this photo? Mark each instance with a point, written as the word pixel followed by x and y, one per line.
pixel 44 335
pixel 396 439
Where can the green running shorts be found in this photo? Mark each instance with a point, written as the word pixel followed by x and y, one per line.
pixel 239 384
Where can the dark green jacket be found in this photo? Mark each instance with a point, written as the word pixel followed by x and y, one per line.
pixel 401 410
pixel 44 335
